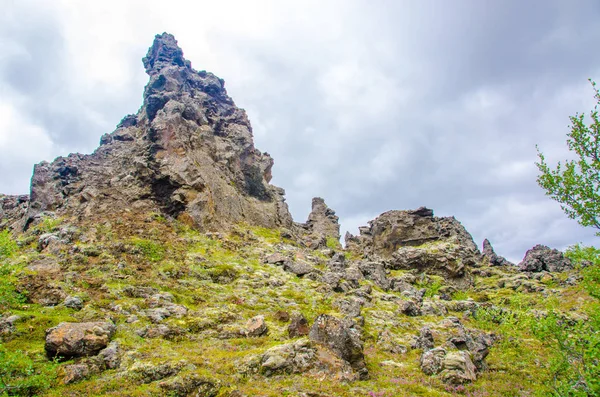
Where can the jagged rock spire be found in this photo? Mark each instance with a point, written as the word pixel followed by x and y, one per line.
pixel 188 152
pixel 164 52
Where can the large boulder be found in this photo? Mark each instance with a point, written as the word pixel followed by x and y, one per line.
pixel 418 240
pixel 541 258
pixel 454 367
pixel 341 339
pixel 68 340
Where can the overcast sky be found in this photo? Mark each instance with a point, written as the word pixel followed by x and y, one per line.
pixel 373 105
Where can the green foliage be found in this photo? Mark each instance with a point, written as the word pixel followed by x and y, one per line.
pixel 7 245
pixel 432 286
pixel 49 224
pixel 152 250
pixel 9 297
pixel 576 183
pixel 590 257
pixel 576 363
pixel 333 243
pixel 20 377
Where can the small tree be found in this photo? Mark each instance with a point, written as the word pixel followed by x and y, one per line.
pixel 576 183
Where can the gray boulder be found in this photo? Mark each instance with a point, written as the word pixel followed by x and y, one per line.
pixel 342 340
pixel 68 340
pixel 416 240
pixel 541 258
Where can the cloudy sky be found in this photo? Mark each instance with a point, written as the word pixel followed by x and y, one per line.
pixel 372 105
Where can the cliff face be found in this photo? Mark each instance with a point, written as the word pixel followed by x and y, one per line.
pixel 188 153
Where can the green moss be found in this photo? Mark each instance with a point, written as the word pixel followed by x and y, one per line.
pixel 333 243
pixel 268 235
pixel 152 250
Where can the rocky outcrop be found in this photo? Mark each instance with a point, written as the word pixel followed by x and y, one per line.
pixel 188 153
pixel 490 256
pixel 12 211
pixel 541 258
pixel 418 240
pixel 68 340
pixel 322 225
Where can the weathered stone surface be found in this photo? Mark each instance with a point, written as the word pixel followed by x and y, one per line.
pixel 293 357
pixel 12 211
pixel 322 224
pixel 298 268
pixel 73 302
pixel 432 361
pixel 541 258
pixel 298 326
pixel 418 240
pixel 74 373
pixel 110 356
pixel 424 340
pixel 458 368
pixel 191 385
pixel 187 153
pixel 491 257
pixel 344 341
pixel 68 340
pixel 276 259
pixel 256 326
pixel 7 325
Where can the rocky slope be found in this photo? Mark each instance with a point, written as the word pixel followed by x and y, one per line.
pixel 166 264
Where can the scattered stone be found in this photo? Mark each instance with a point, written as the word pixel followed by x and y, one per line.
pixel 431 308
pixel 387 342
pixel 147 372
pixel 7 325
pixel 73 302
pixel 424 340
pixel 458 368
pixel 74 373
pixel 160 331
pixel 298 326
pixel 296 357
pixel 344 341
pixel 110 356
pixel 432 361
pixel 409 308
pixel 256 326
pixel 298 268
pixel 275 259
pixel 191 385
pixel 68 340
pixel 282 316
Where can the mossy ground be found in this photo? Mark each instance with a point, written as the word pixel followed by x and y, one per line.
pixel 222 281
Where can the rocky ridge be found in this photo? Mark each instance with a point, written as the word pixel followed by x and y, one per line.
pixel 165 261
